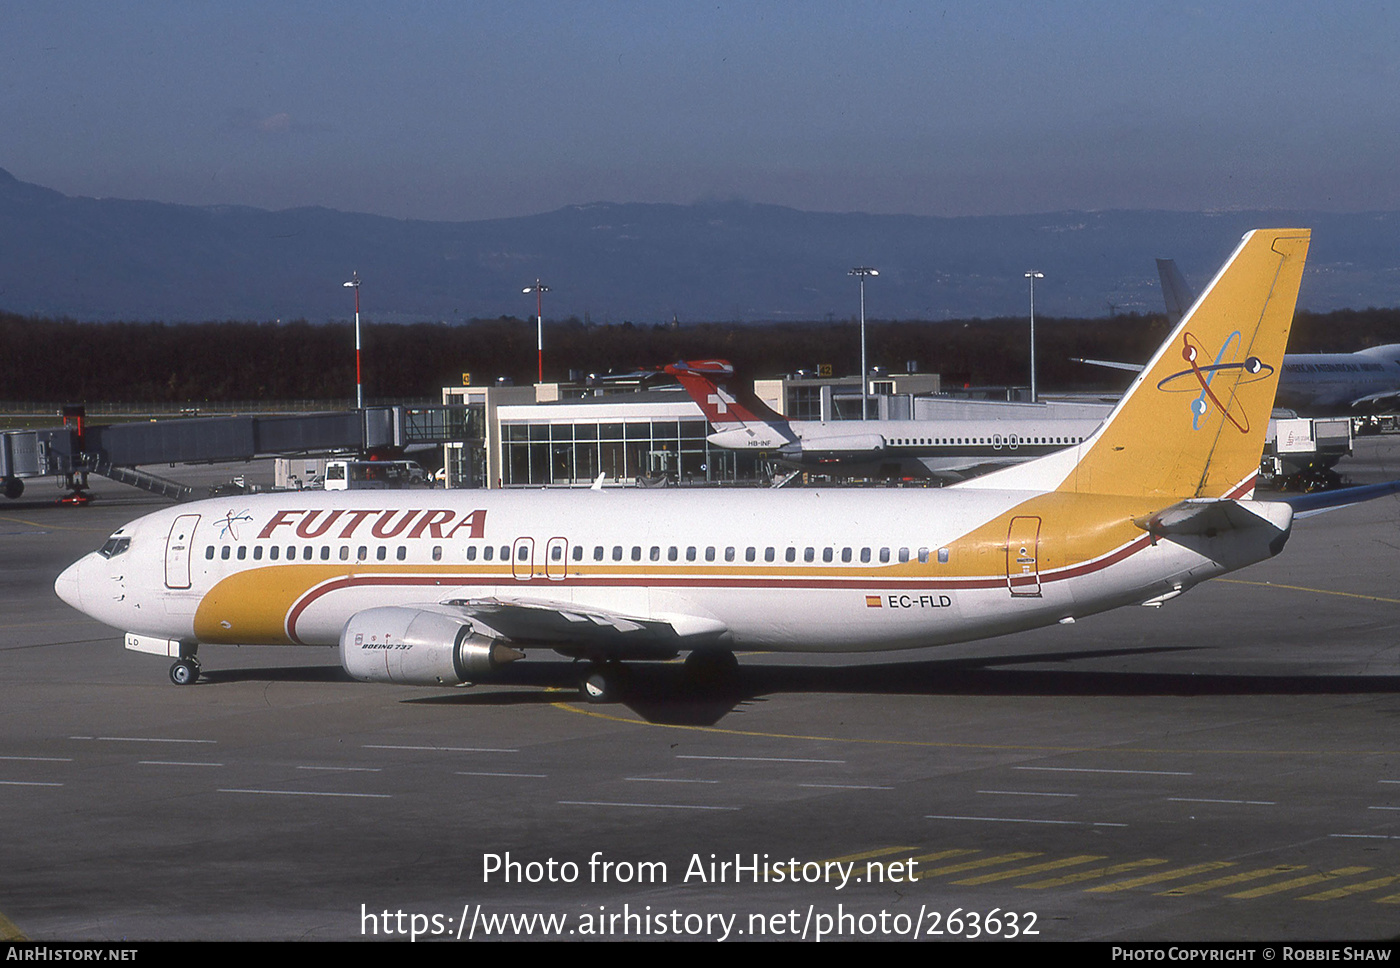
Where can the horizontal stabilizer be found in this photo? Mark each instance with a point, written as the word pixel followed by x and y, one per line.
pixel 1110 364
pixel 1305 505
pixel 1209 517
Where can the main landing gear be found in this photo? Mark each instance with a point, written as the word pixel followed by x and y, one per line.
pixel 602 683
pixel 605 682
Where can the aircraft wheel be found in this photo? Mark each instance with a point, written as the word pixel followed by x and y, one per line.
pixel 600 685
pixel 184 671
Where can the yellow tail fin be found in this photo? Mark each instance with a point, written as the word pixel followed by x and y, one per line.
pixel 1193 423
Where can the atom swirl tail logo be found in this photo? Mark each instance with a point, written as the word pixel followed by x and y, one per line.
pixel 228 527
pixel 1199 379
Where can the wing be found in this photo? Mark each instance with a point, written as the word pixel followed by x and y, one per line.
pixel 1376 401
pixel 589 632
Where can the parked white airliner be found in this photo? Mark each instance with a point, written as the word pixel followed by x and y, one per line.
pixel 1311 384
pixel 974 437
pixel 444 587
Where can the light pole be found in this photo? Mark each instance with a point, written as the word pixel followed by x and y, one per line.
pixel 539 289
pixel 860 272
pixel 354 284
pixel 1033 276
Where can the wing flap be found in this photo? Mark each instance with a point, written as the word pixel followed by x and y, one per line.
pixel 595 633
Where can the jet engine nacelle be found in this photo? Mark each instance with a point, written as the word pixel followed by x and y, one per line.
pixel 424 646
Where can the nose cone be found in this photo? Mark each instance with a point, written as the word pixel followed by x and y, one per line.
pixel 68 587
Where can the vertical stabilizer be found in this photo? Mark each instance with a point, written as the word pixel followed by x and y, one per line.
pixel 1176 293
pixel 724 410
pixel 1193 423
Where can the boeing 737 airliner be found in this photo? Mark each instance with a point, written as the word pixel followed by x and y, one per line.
pixel 440 588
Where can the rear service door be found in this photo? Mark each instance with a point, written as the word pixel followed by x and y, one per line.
pixel 1023 556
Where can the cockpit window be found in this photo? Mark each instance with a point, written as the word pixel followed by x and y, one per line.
pixel 114 547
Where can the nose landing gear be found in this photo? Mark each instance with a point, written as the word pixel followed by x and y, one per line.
pixel 184 671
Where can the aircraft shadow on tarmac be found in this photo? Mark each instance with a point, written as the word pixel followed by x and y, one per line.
pixel 662 693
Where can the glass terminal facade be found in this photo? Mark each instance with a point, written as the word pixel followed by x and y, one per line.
pixel 647 437
pixel 571 453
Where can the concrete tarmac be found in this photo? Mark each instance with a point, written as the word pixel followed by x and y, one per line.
pixel 1224 767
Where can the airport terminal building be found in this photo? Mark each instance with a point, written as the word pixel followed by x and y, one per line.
pixel 649 436
pixel 566 435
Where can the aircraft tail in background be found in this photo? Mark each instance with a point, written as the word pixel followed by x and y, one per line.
pixel 737 424
pixel 1176 293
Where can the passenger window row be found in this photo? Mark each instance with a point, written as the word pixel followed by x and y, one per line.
pixel 637 553
pixel 309 553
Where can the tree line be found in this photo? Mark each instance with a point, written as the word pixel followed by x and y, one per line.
pixel 63 360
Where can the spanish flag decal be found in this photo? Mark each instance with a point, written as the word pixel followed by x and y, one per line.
pixel 872 601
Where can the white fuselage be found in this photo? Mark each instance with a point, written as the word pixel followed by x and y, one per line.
pixel 1322 383
pixel 810 570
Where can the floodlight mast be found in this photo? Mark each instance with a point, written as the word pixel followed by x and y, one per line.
pixel 861 272
pixel 539 289
pixel 354 284
pixel 1033 275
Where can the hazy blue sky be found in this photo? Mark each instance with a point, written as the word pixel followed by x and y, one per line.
pixel 485 109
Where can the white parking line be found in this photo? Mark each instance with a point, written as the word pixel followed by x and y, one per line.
pixel 756 759
pixel 651 806
pixel 1085 769
pixel 1063 823
pixel 310 793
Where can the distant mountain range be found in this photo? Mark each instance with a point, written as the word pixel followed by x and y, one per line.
pixel 100 259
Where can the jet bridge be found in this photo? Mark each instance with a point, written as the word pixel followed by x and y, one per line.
pixel 115 451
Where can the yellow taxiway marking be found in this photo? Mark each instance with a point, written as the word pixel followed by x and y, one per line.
pixel 942 854
pixel 1160 876
pixel 974 864
pixel 1094 874
pixel 9 931
pixel 1299 882
pixel 51 527
pixel 867 855
pixel 1232 879
pixel 1050 865
pixel 1351 889
pixel 1315 591
pixel 581 710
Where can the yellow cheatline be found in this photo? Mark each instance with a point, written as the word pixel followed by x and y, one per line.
pixel 1303 588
